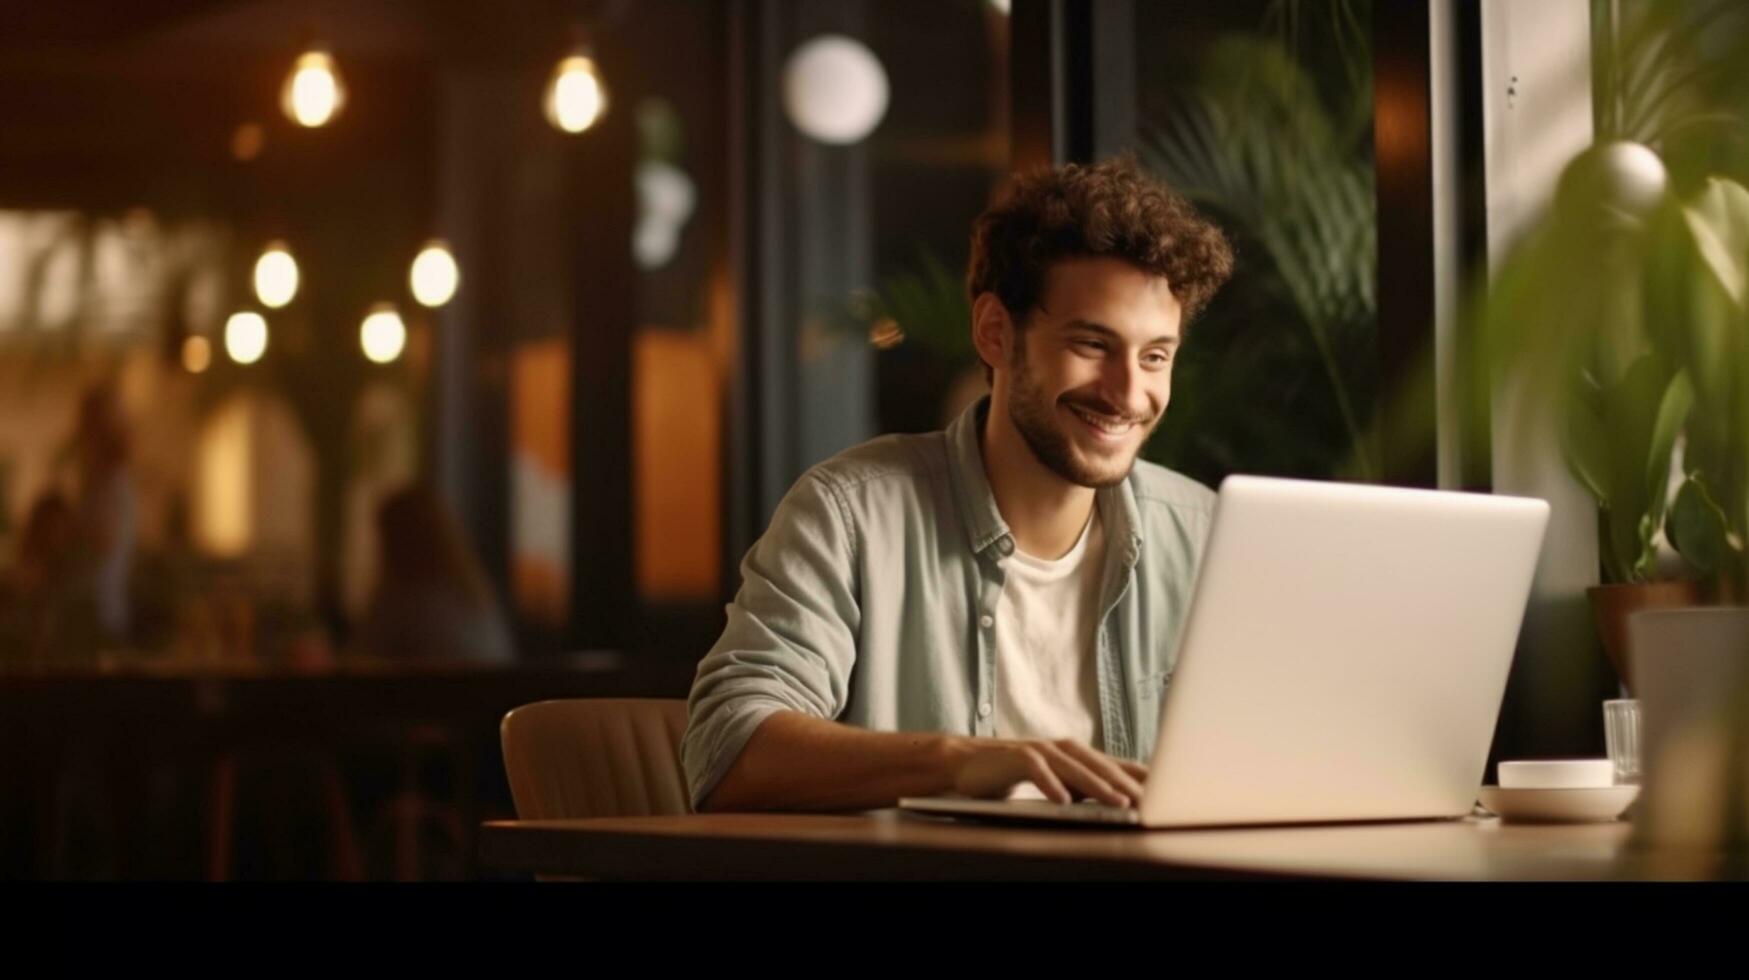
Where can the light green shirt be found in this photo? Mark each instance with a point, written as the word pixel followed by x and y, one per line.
pixel 871 600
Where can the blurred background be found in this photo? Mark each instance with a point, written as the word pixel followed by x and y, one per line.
pixel 368 368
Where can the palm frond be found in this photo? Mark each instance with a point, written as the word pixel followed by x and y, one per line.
pixel 1254 143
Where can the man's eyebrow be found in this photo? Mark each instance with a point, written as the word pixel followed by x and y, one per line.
pixel 1088 326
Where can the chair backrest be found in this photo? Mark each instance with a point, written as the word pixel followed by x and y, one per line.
pixel 595 757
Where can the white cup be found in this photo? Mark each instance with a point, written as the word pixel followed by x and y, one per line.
pixel 1557 774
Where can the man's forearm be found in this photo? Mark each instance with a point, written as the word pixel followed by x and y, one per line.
pixel 797 762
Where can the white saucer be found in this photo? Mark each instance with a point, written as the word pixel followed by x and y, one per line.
pixel 1558 805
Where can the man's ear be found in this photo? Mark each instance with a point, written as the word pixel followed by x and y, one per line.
pixel 993 332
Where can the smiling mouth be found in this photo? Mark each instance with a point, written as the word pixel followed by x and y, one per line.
pixel 1106 425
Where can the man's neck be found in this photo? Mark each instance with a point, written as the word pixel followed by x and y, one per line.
pixel 1045 512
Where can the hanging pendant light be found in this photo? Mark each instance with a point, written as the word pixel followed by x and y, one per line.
pixel 197 354
pixel 313 93
pixel 276 276
pixel 835 89
pixel 246 337
pixel 576 97
pixel 382 335
pixel 434 276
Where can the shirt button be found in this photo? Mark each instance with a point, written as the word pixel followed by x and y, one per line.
pixel 983 711
pixel 1005 546
pixel 986 621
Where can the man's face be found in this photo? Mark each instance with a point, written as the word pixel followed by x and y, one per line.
pixel 1092 370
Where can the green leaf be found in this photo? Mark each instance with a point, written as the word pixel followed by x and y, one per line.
pixel 1673 411
pixel 1258 144
pixel 1585 438
pixel 929 303
pixel 1708 337
pixel 1718 218
pixel 1697 527
pixel 1633 411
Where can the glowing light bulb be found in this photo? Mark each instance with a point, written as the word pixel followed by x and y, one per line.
pixel 434 276
pixel 576 98
pixel 313 93
pixel 276 276
pixel 197 354
pixel 382 334
pixel 246 337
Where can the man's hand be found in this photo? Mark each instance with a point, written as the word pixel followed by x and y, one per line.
pixel 797 762
pixel 1063 770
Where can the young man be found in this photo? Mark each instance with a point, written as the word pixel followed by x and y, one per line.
pixel 999 603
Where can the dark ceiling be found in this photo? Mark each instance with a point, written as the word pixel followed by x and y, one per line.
pixel 105 102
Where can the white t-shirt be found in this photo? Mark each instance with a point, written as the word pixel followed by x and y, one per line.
pixel 1047 681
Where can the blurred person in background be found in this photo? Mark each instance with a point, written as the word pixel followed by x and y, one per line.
pixel 35 595
pixel 104 508
pixel 432 601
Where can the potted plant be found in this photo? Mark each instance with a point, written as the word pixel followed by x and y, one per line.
pixel 1606 298
pixel 1273 139
pixel 923 311
pixel 1704 280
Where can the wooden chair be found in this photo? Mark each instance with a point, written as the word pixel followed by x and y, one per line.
pixel 595 757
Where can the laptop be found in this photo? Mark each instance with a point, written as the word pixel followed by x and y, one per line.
pixel 1344 659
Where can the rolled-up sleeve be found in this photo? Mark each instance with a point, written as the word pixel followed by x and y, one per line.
pixel 790 641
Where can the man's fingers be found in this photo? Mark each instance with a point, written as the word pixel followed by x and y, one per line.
pixel 1115 772
pixel 1083 777
pixel 1062 771
pixel 1042 775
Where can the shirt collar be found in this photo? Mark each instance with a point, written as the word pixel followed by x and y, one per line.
pixel 985 527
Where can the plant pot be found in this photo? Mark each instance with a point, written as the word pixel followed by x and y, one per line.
pixel 1612 604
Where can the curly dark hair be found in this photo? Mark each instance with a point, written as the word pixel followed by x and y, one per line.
pixel 1105 209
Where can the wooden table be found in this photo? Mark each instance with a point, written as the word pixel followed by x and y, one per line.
pixel 888 844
